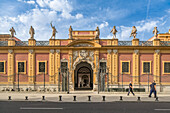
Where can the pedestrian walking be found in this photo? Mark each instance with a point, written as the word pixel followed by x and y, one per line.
pixel 153 89
pixel 130 89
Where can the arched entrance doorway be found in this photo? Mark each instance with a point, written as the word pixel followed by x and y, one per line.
pixel 83 77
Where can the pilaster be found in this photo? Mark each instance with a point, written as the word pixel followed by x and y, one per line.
pixel 70 62
pixel 115 66
pixel 32 42
pixel 11 66
pixel 156 71
pixel 136 67
pixel 114 42
pixel 156 42
pixel 57 42
pixel 109 42
pixel 96 62
pixel 31 66
pixel 11 42
pixel 135 42
pixel 109 64
pixel 51 66
pixel 57 64
pixel 52 42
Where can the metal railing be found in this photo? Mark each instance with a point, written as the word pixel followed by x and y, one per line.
pixel 3 43
pixel 21 43
pixel 145 43
pixel 42 43
pixel 124 43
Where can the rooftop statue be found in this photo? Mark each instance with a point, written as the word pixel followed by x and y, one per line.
pixel 31 32
pixel 114 31
pixel 155 32
pixel 70 32
pixel 12 30
pixel 97 32
pixel 54 31
pixel 133 33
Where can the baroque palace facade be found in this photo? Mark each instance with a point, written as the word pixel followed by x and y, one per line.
pixel 75 63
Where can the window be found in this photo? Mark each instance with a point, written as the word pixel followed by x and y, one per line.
pixel 2 67
pixel 125 68
pixel 146 67
pixel 64 67
pixel 103 66
pixel 42 67
pixel 166 66
pixel 21 67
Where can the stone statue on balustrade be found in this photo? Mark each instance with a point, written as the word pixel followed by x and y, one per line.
pixel 133 33
pixel 155 32
pixel 97 32
pixel 54 31
pixel 31 32
pixel 114 31
pixel 12 30
pixel 70 32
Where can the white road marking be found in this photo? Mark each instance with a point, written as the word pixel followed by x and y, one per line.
pixel 29 108
pixel 162 109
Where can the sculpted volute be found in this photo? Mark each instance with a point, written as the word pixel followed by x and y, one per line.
pixel 12 30
pixel 114 31
pixel 133 33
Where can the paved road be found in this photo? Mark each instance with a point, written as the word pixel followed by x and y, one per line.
pixel 104 107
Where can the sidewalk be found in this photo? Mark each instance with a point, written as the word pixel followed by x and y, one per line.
pixel 81 96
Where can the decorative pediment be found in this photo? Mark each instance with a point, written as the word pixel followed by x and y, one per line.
pixel 84 43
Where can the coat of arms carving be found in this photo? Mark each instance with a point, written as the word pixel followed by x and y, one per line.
pixel 83 53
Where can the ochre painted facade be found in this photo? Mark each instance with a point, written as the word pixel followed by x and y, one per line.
pixel 84 47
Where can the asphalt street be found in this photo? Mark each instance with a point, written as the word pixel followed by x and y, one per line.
pixel 88 107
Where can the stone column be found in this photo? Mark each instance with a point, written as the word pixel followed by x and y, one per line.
pixel 31 66
pixel 57 65
pixel 135 42
pixel 70 66
pixel 109 64
pixel 51 66
pixel 136 67
pixel 156 69
pixel 96 62
pixel 11 66
pixel 115 66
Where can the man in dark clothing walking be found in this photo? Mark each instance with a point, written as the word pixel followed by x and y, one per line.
pixel 153 89
pixel 130 89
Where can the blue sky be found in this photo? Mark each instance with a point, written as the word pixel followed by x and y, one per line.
pixel 84 15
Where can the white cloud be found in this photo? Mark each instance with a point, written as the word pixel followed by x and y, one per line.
pixel 78 16
pixel 30 2
pixel 104 24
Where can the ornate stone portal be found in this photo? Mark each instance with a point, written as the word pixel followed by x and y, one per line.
pixel 83 56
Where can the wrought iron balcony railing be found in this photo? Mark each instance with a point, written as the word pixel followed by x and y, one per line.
pixel 164 43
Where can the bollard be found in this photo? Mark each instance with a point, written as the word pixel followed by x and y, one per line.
pixel 74 98
pixel 60 98
pixel 9 97
pixel 43 97
pixel 121 98
pixel 103 98
pixel 156 99
pixel 89 98
pixel 138 98
pixel 26 97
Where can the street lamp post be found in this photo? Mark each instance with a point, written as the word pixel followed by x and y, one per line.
pixel 122 81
